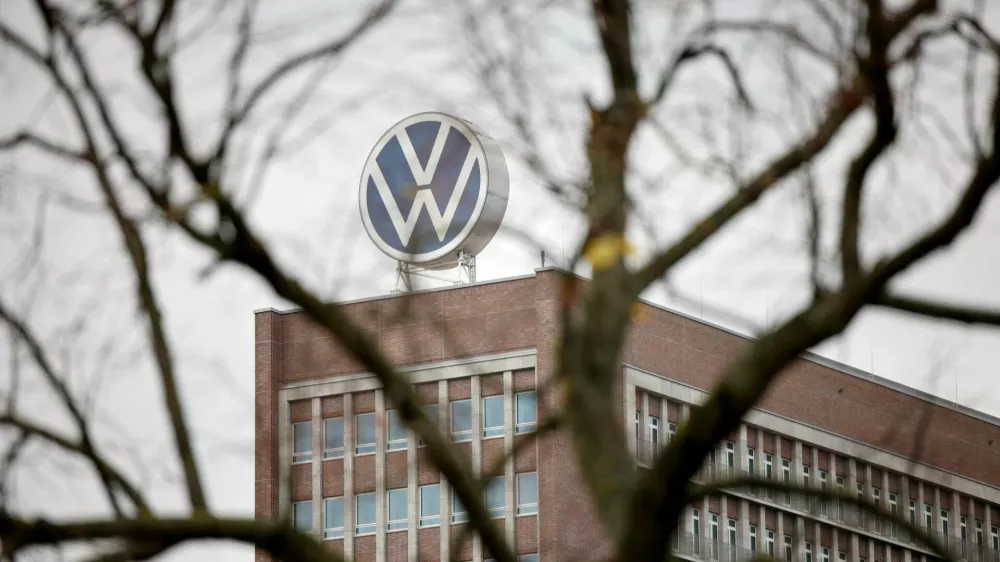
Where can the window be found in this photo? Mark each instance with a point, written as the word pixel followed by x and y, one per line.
pixel 805 475
pixel 861 491
pixel 333 518
pixel 461 420
pixel 495 497
pixel 769 544
pixel 458 511
pixel 671 430
pixel 927 516
pixel 877 497
pixel 430 505
pixel 788 548
pixel 713 526
pixel 399 516
pixel 786 470
pixel 527 493
pixel 365 432
pixel 303 445
pixel 822 479
pixel 525 412
pixel 751 461
pixel 892 503
pixel 979 532
pixel 364 514
pixel 695 523
pixel 840 484
pixel 861 559
pixel 730 454
pixel 638 428
pixel 824 554
pixel 527 558
pixel 302 514
pixel 333 438
pixel 913 512
pixel 493 416
pixel 431 411
pixel 995 537
pixel 731 528
pixel 654 432
pixel 753 538
pixel 395 433
pixel 809 552
pixel 842 556
pixel 944 522
pixel 767 465
pixel 963 530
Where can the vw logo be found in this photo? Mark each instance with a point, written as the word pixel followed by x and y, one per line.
pixel 433 187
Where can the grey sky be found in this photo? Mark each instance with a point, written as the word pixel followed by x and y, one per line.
pixel 79 294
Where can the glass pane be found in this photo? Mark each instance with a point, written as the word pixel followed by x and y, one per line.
pixel 397 505
pixel 495 494
pixel 366 429
pixel 492 416
pixel 457 509
pixel 396 432
pixel 526 407
pixel 334 513
pixel 303 437
pixel 334 433
pixel 366 509
pixel 430 500
pixel 303 516
pixel 461 416
pixel 527 488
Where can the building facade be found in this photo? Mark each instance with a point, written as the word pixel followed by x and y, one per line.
pixel 332 455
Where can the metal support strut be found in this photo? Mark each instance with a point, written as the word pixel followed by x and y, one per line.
pixel 466 273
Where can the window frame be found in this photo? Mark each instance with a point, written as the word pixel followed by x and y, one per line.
pixel 731 531
pixel 695 522
pixel 769 543
pixel 333 452
pixel 751 461
pixel 462 435
pixel 397 444
pixel 824 554
pixel 713 526
pixel 525 426
pixel 362 530
pixel 361 449
pixel 789 550
pixel 944 521
pixel 425 521
pixel 330 533
pixel 809 551
pixel 768 466
pixel 730 454
pixel 653 429
pixel 806 474
pixel 530 508
pixel 397 524
pixel 301 457
pixel 928 516
pixel 492 431
pixel 753 538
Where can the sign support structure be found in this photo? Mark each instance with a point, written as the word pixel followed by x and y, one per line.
pixel 466 265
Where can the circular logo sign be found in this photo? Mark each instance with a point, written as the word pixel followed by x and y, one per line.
pixel 433 187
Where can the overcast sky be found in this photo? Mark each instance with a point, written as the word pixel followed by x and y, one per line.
pixel 78 293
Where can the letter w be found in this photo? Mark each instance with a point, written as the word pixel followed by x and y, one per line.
pixel 424 198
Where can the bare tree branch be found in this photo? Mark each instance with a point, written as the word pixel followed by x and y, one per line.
pixel 112 476
pixel 41 358
pixel 693 52
pixel 840 109
pixel 945 311
pixel 280 540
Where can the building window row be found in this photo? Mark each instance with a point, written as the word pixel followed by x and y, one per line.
pixel 428 506
pixel 396 438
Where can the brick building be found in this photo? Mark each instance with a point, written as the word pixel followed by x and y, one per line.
pixel 331 454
